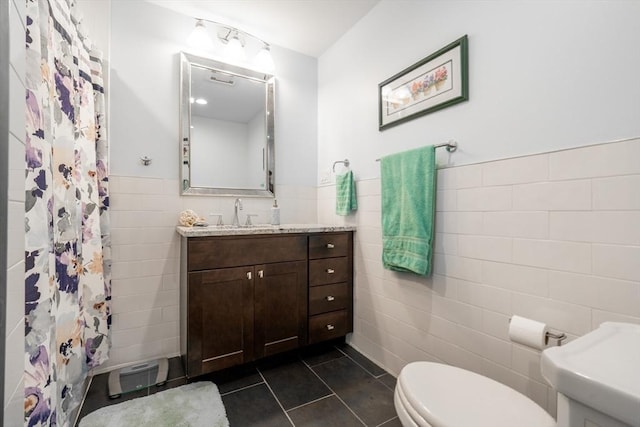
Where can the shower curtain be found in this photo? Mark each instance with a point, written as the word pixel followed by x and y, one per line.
pixel 67 249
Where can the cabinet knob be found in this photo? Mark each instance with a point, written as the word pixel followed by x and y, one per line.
pixel 330 298
pixel 330 270
pixel 330 246
pixel 261 274
pixel 249 275
pixel 330 327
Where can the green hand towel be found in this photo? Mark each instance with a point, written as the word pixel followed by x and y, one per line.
pixel 345 194
pixel 408 210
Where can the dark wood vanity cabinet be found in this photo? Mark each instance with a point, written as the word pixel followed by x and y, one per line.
pixel 280 308
pixel 252 296
pixel 330 286
pixel 221 306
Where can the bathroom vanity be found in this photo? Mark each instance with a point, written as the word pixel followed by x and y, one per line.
pixel 249 293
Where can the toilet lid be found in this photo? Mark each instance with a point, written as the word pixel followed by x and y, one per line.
pixel 448 396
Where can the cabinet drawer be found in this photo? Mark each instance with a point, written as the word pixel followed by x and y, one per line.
pixel 328 245
pixel 209 253
pixel 328 298
pixel 329 270
pixel 327 326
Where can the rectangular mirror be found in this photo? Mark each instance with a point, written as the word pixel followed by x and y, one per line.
pixel 226 129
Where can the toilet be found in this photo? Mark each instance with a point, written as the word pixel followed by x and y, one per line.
pixel 436 395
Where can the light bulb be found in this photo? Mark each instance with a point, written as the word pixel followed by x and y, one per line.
pixel 235 49
pixel 199 38
pixel 264 60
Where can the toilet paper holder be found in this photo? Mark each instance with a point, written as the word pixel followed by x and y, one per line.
pixel 558 336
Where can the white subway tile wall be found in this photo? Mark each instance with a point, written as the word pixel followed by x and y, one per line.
pixel 554 237
pixel 146 257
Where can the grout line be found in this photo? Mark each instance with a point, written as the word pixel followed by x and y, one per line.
pixel 313 401
pixel 384 384
pixel 321 363
pixel 365 369
pixel 240 389
pixel 334 392
pixel 390 419
pixel 275 397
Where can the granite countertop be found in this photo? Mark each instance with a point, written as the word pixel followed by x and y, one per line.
pixel 229 230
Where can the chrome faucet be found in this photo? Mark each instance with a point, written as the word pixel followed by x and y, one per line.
pixel 237 205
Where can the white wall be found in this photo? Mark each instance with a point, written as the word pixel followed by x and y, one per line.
pixel 542 76
pixel 94 18
pixel 13 404
pixel 549 236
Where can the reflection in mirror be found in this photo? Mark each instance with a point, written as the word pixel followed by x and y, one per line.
pixel 227 145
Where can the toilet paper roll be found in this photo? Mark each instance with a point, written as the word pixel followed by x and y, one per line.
pixel 528 332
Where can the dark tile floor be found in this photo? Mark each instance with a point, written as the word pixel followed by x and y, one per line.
pixel 327 385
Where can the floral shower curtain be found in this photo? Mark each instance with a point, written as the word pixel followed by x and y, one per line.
pixel 67 249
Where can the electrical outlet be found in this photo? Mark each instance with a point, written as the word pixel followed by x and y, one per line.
pixel 325 178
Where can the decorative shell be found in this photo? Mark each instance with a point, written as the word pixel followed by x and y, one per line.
pixel 189 217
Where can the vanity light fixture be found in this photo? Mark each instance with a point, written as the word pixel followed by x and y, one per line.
pixel 236 43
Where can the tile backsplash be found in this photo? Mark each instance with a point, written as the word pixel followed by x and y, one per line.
pixel 554 237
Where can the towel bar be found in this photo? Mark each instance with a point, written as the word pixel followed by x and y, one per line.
pixel 451 146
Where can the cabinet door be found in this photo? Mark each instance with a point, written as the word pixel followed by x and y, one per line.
pixel 220 324
pixel 280 307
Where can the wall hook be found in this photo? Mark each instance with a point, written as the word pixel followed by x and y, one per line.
pixel 145 160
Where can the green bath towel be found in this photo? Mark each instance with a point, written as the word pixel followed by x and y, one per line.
pixel 345 194
pixel 408 210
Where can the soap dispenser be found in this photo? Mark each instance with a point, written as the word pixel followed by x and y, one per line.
pixel 275 213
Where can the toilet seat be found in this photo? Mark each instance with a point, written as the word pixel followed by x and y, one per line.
pixel 437 395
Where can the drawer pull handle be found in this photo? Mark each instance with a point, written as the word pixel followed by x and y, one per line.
pixel 249 275
pixel 330 297
pixel 330 327
pixel 330 270
pixel 330 246
pixel 261 274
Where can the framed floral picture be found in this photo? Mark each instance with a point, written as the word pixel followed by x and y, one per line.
pixel 436 82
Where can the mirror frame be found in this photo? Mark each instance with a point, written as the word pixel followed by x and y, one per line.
pixel 186 61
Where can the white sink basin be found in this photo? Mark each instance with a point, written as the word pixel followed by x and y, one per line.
pixel 600 370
